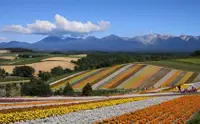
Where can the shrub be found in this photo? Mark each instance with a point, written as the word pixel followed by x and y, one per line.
pixel 56 71
pixel 68 90
pixel 87 90
pixel 23 71
pixel 36 88
pixel 44 76
pixel 2 73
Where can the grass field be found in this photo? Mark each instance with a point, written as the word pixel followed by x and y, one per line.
pixel 13 78
pixel 190 60
pixel 176 65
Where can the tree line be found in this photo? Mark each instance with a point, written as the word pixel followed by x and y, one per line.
pixel 99 60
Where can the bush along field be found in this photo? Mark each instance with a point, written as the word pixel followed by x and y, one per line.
pixel 129 76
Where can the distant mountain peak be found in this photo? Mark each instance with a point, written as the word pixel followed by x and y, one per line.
pixel 51 38
pixel 112 37
pixel 188 37
pixel 149 38
pixel 91 38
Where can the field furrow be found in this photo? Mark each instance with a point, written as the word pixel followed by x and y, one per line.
pixel 110 77
pixel 155 78
pixel 122 77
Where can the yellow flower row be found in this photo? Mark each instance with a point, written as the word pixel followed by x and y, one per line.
pixel 32 114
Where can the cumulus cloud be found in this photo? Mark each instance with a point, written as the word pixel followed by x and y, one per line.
pixel 3 39
pixel 61 26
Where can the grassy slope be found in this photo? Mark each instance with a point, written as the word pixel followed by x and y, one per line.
pixel 59 77
pixel 13 78
pixel 190 60
pixel 175 65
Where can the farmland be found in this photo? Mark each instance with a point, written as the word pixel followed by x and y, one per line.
pixel 130 76
pixel 42 61
pixel 175 65
pixel 123 91
pixel 118 109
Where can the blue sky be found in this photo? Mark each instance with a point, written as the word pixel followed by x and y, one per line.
pixel 120 17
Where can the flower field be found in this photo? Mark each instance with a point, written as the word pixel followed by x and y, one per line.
pixel 176 111
pixel 129 76
pixel 95 78
pixel 121 77
pixel 140 110
pixel 22 114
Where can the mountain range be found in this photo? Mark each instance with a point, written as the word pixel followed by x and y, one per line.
pixel 149 42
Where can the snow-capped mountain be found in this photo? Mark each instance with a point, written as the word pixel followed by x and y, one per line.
pixel 149 42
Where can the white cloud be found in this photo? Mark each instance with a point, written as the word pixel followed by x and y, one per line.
pixel 62 26
pixel 3 39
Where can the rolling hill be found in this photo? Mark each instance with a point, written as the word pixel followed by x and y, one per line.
pixel 129 76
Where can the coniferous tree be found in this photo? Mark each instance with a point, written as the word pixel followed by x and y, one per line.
pixel 87 90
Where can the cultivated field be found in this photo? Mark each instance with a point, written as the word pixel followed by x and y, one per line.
pixel 129 76
pixel 67 59
pixel 7 57
pixel 99 110
pixel 45 64
pixel 4 51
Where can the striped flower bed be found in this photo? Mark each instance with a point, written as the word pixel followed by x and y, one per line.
pixel 110 77
pixel 164 79
pixel 191 79
pixel 95 78
pixel 129 76
pixel 197 78
pixel 154 78
pixel 185 78
pixel 74 79
pixel 172 78
pixel 123 76
pixel 61 82
pixel 87 76
pixel 174 82
pixel 17 115
pixel 136 80
pixel 176 111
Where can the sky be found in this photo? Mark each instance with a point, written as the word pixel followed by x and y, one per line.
pixel 32 20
